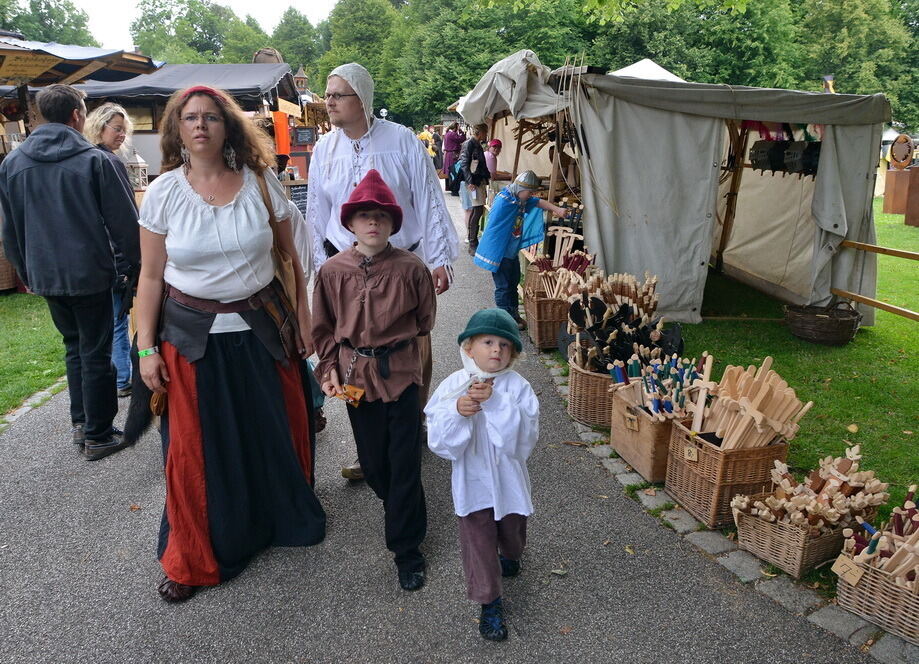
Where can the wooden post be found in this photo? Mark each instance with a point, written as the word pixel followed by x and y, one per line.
pixel 739 154
pixel 24 105
pixel 519 145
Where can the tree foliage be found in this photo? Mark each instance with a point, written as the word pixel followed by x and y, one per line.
pixel 47 21
pixel 297 40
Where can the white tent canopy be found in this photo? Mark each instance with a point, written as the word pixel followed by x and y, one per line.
pixel 647 69
pixel 652 198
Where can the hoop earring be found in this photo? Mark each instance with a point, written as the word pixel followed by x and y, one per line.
pixel 184 154
pixel 229 156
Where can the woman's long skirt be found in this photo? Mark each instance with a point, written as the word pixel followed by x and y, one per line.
pixel 238 458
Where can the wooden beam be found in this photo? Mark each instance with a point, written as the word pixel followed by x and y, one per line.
pixel 517 153
pixel 83 72
pixel 877 304
pixel 873 248
pixel 740 139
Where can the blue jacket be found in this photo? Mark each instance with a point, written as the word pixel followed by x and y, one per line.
pixel 499 238
pixel 64 209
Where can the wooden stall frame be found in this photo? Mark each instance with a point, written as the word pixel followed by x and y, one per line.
pixel 870 301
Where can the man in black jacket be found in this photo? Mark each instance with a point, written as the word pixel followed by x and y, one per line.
pixel 66 212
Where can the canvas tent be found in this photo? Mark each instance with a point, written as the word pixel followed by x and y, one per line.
pixel 651 174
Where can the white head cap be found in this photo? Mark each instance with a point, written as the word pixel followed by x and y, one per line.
pixel 362 83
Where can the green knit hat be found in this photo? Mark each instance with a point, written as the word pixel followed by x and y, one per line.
pixel 492 321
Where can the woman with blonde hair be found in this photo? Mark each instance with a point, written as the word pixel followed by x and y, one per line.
pixel 108 127
pixel 236 430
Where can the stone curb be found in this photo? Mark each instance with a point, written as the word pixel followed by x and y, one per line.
pixel 33 402
pixel 888 649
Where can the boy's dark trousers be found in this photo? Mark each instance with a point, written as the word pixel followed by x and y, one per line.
pixel 506 279
pixel 388 437
pixel 85 322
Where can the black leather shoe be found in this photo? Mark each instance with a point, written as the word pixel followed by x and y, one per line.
pixel 491 621
pixel 94 450
pixel 411 580
pixel 509 567
pixel 174 592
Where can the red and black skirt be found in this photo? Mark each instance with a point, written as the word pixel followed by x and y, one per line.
pixel 238 460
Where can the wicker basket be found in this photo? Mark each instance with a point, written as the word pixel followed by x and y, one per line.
pixel 532 283
pixel 835 325
pixel 545 317
pixel 703 478
pixel 589 397
pixel 878 599
pixel 7 273
pixel 640 439
pixel 786 545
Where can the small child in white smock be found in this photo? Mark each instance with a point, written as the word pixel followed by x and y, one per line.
pixel 485 419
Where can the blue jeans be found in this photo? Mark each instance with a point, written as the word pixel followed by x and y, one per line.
pixel 121 347
pixel 506 280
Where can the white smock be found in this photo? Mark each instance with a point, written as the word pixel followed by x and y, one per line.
pixel 215 252
pixel 489 450
pixel 338 164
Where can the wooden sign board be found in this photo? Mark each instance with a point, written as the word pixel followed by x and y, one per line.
pixel 305 135
pixel 20 68
pixel 847 570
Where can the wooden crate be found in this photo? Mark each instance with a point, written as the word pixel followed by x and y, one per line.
pixel 589 397
pixel 640 439
pixel 877 598
pixel 704 478
pixel 786 545
pixel 545 317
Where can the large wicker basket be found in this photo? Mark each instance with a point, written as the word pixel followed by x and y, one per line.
pixel 589 397
pixel 703 478
pixel 877 598
pixel 532 283
pixel 7 273
pixel 835 325
pixel 545 316
pixel 641 440
pixel 786 545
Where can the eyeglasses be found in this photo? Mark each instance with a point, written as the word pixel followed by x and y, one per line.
pixel 117 130
pixel 191 119
pixel 338 95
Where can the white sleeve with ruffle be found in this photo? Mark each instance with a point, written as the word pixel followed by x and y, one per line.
pixel 512 416
pixel 318 208
pixel 449 433
pixel 441 243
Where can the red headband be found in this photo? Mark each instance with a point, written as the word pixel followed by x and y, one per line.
pixel 203 89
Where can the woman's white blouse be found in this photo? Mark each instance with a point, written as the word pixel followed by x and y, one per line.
pixel 215 252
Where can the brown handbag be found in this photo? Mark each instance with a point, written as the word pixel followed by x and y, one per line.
pixel 285 277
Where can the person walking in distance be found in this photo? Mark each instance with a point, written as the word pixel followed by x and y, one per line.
pixel 475 174
pixel 66 214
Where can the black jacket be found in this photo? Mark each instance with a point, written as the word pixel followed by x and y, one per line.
pixel 64 208
pixel 472 150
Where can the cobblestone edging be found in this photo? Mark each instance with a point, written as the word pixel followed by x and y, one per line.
pixel 32 402
pixel 748 569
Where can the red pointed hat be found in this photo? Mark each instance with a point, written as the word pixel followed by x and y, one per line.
pixel 372 193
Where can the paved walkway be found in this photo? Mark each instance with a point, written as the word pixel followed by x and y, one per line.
pixel 78 570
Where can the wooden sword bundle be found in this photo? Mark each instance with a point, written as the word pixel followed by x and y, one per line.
pixel 751 408
pixel 835 495
pixel 892 547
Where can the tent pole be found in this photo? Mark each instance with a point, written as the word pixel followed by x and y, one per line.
pixel 739 148
pixel 556 167
pixel 24 105
pixel 519 145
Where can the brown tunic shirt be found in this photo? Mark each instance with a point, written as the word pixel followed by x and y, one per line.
pixel 379 301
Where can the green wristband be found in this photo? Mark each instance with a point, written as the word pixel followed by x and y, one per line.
pixel 153 350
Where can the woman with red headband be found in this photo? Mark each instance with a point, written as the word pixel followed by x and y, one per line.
pixel 236 430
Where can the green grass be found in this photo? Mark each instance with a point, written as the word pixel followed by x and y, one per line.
pixel 872 382
pixel 31 351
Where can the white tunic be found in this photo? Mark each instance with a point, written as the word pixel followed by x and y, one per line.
pixel 338 164
pixel 489 450
pixel 215 252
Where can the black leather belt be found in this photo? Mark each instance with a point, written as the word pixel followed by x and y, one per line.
pixel 379 353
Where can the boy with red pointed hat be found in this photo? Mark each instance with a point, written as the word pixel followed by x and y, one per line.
pixel 370 304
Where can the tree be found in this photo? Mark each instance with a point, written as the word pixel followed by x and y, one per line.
pixel 359 30
pixel 242 40
pixel 296 39
pixel 49 21
pixel 605 11
pixel 190 31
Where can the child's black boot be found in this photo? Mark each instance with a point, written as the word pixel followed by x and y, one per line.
pixel 509 567
pixel 491 622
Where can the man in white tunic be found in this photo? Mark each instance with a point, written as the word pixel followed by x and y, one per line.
pixel 340 161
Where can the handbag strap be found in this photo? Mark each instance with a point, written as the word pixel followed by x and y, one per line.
pixel 266 199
